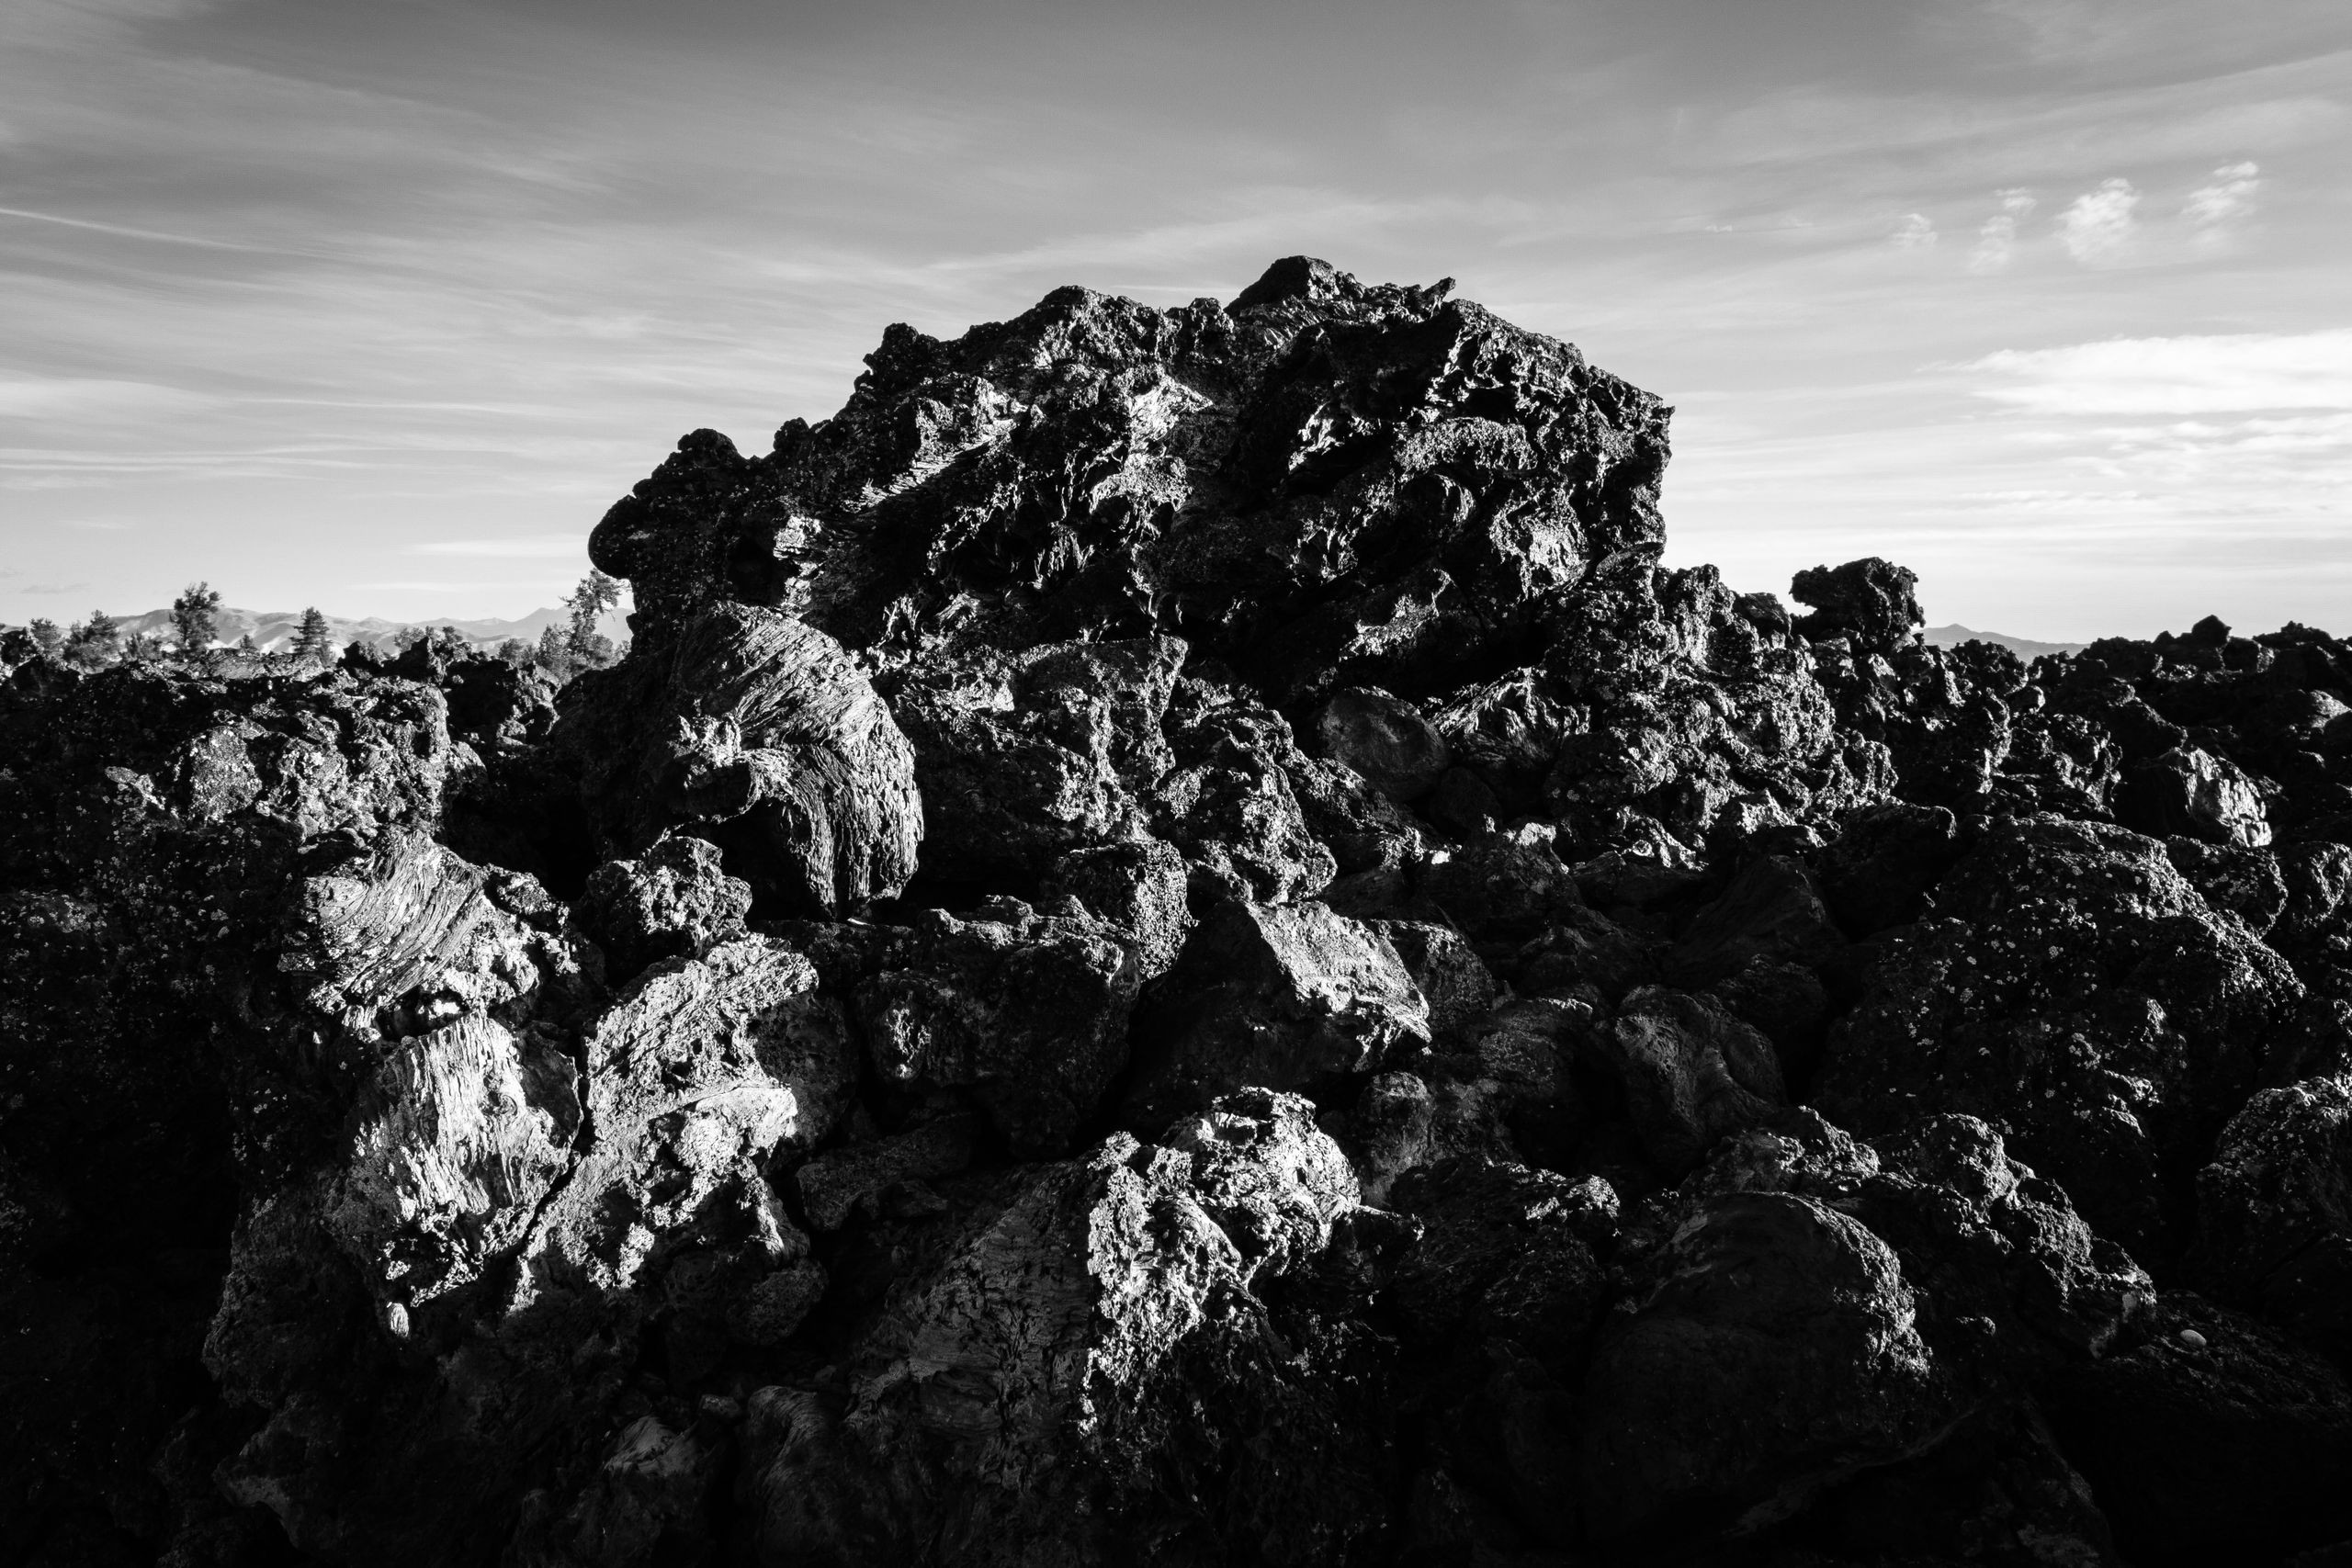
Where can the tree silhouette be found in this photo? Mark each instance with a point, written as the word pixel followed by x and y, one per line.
pixel 194 617
pixel 311 641
pixel 47 635
pixel 588 648
pixel 555 652
pixel 94 643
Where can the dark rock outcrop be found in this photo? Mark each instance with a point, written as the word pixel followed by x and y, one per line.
pixel 1325 483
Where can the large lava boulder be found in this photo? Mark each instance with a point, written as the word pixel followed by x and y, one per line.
pixel 1324 481
pixel 757 732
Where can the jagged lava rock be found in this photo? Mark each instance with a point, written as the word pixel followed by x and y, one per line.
pixel 1138 886
pixel 1326 482
pixel 1278 996
pixel 1389 742
pixel 1689 1073
pixel 1022 1402
pixel 2207 1437
pixel 1769 1348
pixel 1023 758
pixel 755 731
pixel 2075 985
pixel 1872 604
pixel 1027 1009
pixel 675 901
pixel 2273 1212
pixel 152 827
pixel 688 1086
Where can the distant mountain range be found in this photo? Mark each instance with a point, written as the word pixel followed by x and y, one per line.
pixel 2024 647
pixel 274 630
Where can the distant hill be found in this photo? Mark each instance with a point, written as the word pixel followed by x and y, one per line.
pixel 274 630
pixel 2024 647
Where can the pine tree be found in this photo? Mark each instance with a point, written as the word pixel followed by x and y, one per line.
pixel 194 617
pixel 588 648
pixel 144 648
pixel 47 635
pixel 246 645
pixel 96 642
pixel 311 641
pixel 555 653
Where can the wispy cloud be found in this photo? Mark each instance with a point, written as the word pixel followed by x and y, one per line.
pixel 1997 241
pixel 2098 226
pixel 1917 231
pixel 2242 373
pixel 125 231
pixel 539 547
pixel 52 588
pixel 86 397
pixel 2228 199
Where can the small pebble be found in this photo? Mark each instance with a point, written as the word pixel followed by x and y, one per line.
pixel 2193 1339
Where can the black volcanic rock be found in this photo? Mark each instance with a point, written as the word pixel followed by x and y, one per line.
pixel 755 730
pixel 1173 946
pixel 1390 743
pixel 1026 1009
pixel 1322 483
pixel 675 902
pixel 1021 759
pixel 1281 996
pixel 2206 1437
pixel 1769 1348
pixel 1075 1338
pixel 1870 602
pixel 2274 1230
pixel 2077 986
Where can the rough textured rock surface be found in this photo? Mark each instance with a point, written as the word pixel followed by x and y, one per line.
pixel 755 730
pixel 2274 1212
pixel 674 902
pixel 1323 480
pixel 1028 1011
pixel 1173 946
pixel 2073 984
pixel 1277 996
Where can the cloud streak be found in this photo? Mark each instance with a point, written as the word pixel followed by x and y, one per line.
pixel 2241 373
pixel 2097 227
pixel 566 547
pixel 2228 199
pixel 124 231
pixel 1997 241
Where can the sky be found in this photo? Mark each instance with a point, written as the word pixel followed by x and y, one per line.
pixel 377 304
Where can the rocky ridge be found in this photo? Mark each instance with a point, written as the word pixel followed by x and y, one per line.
pixel 1173 945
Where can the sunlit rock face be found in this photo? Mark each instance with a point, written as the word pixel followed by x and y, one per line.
pixel 1173 946
pixel 1322 480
